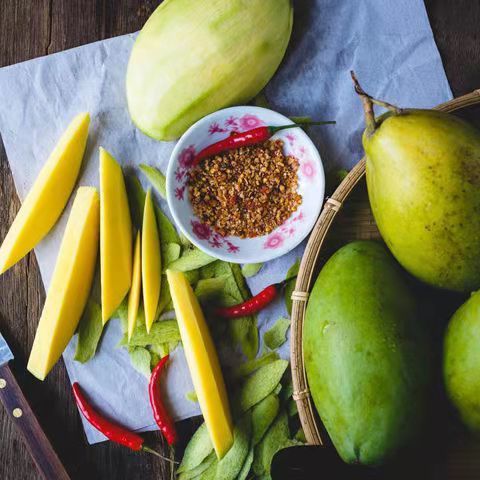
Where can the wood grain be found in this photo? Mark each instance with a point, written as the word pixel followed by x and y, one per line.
pixel 31 28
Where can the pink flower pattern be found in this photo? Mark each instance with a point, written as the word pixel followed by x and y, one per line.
pixel 179 192
pixel 275 240
pixel 186 157
pixel 201 230
pixel 248 122
pixel 204 232
pixel 308 170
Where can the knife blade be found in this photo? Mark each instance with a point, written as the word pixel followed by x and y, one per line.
pixel 20 412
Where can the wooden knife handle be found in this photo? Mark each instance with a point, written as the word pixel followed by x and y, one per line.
pixel 19 410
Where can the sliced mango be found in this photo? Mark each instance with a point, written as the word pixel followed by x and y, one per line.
pixel 115 236
pixel 70 285
pixel 202 362
pixel 135 289
pixel 49 194
pixel 151 262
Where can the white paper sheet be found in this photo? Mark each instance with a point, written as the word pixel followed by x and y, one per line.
pixel 388 43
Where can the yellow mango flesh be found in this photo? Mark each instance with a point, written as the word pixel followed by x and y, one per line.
pixel 48 196
pixel 151 262
pixel 115 236
pixel 70 285
pixel 134 297
pixel 202 362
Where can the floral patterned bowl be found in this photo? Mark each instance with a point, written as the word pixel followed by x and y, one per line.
pixel 311 186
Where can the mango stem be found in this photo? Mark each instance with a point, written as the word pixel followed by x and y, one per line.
pixel 368 102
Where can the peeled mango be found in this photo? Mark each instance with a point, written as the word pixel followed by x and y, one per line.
pixel 461 364
pixel 366 354
pixel 424 187
pixel 195 57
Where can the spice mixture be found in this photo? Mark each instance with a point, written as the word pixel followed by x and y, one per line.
pixel 247 192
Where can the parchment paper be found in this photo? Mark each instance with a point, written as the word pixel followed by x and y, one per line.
pixel 388 43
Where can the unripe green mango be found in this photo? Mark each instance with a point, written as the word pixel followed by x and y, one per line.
pixel 423 178
pixel 194 57
pixel 461 363
pixel 366 354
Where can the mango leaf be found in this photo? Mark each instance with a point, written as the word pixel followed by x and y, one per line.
pixel 290 286
pixel 292 408
pixel 250 366
pixel 261 383
pixel 198 470
pixel 136 199
pixel 276 439
pixel 89 332
pixel 170 253
pixel 140 359
pixel 198 449
pixel 212 289
pixel 263 415
pixel 156 178
pixel 247 465
pixel 230 465
pixel 192 396
pixel 166 230
pixel 287 388
pixel 161 332
pixel 277 335
pixel 240 280
pixel 210 473
pixel 251 269
pixel 190 260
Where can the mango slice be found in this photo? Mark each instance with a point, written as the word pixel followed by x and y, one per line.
pixel 151 262
pixel 202 362
pixel 48 196
pixel 70 285
pixel 134 297
pixel 115 236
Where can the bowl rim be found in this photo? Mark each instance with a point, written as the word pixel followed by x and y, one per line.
pixel 262 255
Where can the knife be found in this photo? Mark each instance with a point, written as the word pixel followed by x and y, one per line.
pixel 19 410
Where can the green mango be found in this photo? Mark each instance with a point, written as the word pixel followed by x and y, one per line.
pixel 423 178
pixel 366 355
pixel 195 57
pixel 461 363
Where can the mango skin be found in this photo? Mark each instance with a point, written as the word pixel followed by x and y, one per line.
pixel 365 353
pixel 461 362
pixel 424 187
pixel 193 58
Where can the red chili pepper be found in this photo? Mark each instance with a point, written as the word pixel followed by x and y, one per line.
pixel 160 413
pixel 254 304
pixel 245 139
pixel 116 433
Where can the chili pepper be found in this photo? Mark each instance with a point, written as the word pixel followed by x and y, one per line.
pixel 245 139
pixel 254 304
pixel 160 413
pixel 114 432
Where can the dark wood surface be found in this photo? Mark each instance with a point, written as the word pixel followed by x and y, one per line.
pixel 31 28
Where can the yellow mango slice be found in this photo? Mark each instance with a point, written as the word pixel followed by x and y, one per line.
pixel 202 362
pixel 151 262
pixel 115 236
pixel 49 194
pixel 70 285
pixel 135 289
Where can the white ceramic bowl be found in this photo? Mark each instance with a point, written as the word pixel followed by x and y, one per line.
pixel 311 186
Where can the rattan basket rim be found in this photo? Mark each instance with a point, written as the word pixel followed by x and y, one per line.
pixel 333 204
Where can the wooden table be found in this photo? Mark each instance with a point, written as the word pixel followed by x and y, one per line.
pixel 31 28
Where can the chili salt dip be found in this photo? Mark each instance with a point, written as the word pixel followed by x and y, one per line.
pixel 246 192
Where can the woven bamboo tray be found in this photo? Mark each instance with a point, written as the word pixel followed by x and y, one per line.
pixel 355 222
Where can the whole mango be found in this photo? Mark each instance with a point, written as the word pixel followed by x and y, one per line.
pixel 461 364
pixel 366 354
pixel 194 57
pixel 423 178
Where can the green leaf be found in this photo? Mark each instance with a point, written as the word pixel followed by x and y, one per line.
pixel 261 383
pixel 192 276
pixel 185 242
pixel 191 260
pixel 292 408
pixel 230 465
pixel 170 253
pixel 247 465
pixel 251 269
pixel 89 332
pixel 250 366
pixel 165 297
pixel 141 359
pixel 166 230
pixel 192 396
pixel 263 415
pixel 122 314
pixel 198 470
pixel 277 335
pixel 156 178
pixel 300 436
pixel 198 449
pixel 244 331
pixel 290 286
pixel 161 332
pixel 211 289
pixel 240 280
pixel 136 199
